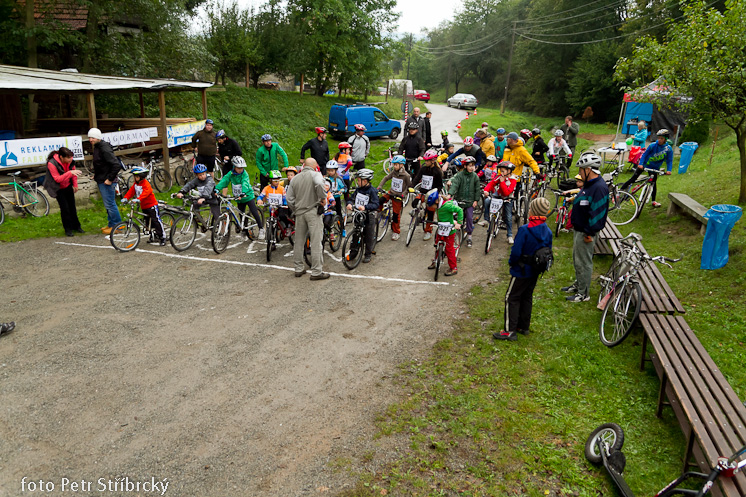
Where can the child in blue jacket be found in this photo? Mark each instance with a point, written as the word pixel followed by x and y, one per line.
pixel 523 277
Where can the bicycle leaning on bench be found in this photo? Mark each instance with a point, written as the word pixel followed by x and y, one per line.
pixel 26 197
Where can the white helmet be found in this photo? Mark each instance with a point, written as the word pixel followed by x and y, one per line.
pixel 365 173
pixel 559 132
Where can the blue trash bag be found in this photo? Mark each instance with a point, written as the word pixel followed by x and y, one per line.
pixel 720 220
pixel 687 152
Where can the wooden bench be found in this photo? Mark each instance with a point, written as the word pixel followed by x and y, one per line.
pixel 711 416
pixel 601 245
pixel 687 205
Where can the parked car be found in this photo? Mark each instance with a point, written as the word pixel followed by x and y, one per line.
pixel 422 95
pixel 463 100
pixel 343 118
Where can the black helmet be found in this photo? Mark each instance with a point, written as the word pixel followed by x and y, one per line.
pixel 413 125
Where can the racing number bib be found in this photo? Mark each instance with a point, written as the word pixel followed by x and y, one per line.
pixel 427 182
pixel 397 185
pixel 495 205
pixel 275 199
pixel 361 200
pixel 237 190
pixel 444 229
pixel 138 191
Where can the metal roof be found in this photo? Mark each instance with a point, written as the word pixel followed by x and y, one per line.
pixel 27 80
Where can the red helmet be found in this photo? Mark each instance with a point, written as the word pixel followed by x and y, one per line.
pixel 430 154
pixel 359 127
pixel 468 141
pixel 485 125
pixel 526 134
pixel 320 129
pixel 344 145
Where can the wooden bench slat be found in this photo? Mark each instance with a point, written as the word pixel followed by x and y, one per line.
pixel 661 300
pixel 667 289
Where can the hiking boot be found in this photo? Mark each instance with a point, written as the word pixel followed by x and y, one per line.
pixel 578 298
pixel 106 231
pixel 322 276
pixel 505 335
pixel 570 289
pixel 395 236
pixel 450 272
pixel 427 236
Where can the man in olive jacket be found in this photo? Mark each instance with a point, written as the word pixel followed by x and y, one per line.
pixel 105 170
pixel 266 159
pixel 571 131
pixel 205 145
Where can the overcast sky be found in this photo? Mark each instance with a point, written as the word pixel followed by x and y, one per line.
pixel 415 13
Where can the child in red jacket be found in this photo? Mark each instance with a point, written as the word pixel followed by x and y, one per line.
pixel 143 192
pixel 502 187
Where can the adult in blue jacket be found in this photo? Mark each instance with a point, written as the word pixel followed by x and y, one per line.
pixel 588 217
pixel 653 158
pixel 523 277
pixel 641 136
pixel 470 150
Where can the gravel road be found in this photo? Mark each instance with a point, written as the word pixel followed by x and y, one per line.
pixel 218 373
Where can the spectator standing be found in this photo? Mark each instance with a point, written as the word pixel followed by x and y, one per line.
pixel 417 119
pixel 228 148
pixel 427 130
pixel 588 217
pixel 306 196
pixel 641 136
pixel 61 182
pixel 540 146
pixel 501 143
pixel 360 147
pixel 106 167
pixel 571 130
pixel 319 149
pixel 486 142
pixel 205 143
pixel 266 159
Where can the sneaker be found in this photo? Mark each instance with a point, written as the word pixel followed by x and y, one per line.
pixel 7 327
pixel 395 236
pixel 510 240
pixel 656 204
pixel 162 243
pixel 427 236
pixel 106 231
pixel 432 265
pixel 366 259
pixel 505 335
pixel 322 276
pixel 468 242
pixel 524 332
pixel 261 234
pixel 483 223
pixel 570 289
pixel 451 272
pixel 578 298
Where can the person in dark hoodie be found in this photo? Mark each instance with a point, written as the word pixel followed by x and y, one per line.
pixel 105 170
pixel 523 276
pixel 540 147
pixel 318 147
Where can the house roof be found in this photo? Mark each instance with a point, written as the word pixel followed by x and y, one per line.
pixel 15 79
pixel 68 12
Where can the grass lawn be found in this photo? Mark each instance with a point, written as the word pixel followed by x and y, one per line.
pixel 511 418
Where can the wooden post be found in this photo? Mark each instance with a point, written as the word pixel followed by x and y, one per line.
pixel 248 67
pixel 204 105
pixel 301 83
pixel 91 104
pixel 164 131
pixel 142 106
pixel 714 141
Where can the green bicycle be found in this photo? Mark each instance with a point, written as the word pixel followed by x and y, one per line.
pixel 26 197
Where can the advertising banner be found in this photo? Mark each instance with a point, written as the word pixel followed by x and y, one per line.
pixel 130 136
pixel 181 134
pixel 14 153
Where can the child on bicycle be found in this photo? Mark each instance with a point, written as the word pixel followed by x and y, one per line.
pixel 656 153
pixel 489 170
pixel 446 210
pixel 205 186
pixel 329 205
pixel 241 189
pixel 344 161
pixel 523 275
pixel 447 151
pixel 570 194
pixel 275 188
pixel 290 172
pixel 366 199
pixel 444 138
pixel 466 190
pixel 428 177
pixel 143 193
pixel 502 186
pixel 400 181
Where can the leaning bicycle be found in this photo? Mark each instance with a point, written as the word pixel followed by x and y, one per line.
pixel 276 231
pixel 26 197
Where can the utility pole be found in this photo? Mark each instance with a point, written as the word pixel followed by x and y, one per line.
pixel 409 57
pixel 507 80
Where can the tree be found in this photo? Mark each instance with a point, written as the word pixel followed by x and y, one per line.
pixel 717 80
pixel 229 39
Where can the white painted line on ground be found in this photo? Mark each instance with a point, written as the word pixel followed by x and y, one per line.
pixel 255 264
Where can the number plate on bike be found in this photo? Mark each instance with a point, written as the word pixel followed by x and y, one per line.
pixel 361 200
pixel 237 190
pixel 275 198
pixel 397 185
pixel 495 205
pixel 138 191
pixel 427 182
pixel 444 229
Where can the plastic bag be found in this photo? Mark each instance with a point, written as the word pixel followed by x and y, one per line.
pixel 721 219
pixel 687 152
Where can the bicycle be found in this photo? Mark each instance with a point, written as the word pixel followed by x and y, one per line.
pixel 442 233
pixel 563 215
pixel 275 231
pixel 621 293
pixel 125 236
pixel 242 221
pixel 387 161
pixel 184 230
pixel 558 170
pixel 496 216
pixel 418 215
pixel 185 171
pixel 353 247
pixel 520 210
pixel 623 206
pixel 644 189
pixel 26 197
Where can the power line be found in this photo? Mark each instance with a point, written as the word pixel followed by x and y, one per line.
pixel 552 16
pixel 562 19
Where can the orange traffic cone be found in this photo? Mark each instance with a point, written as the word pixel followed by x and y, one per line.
pixel 458 126
pixel 475 112
pixel 467 116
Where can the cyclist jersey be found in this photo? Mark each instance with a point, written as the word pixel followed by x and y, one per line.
pixel 430 177
pixel 345 163
pixel 400 181
pixel 144 193
pixel 655 154
pixel 240 185
pixel 367 196
pixel 329 203
pixel 205 188
pixel 488 172
pixel 555 146
pixel 446 212
pixel 269 189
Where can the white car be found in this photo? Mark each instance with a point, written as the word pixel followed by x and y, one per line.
pixel 462 100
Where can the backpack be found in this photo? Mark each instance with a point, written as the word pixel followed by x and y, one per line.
pixel 541 260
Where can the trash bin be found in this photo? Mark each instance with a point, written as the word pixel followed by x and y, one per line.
pixel 720 220
pixel 687 152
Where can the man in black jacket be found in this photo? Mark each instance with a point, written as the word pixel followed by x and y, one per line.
pixel 228 148
pixel 105 169
pixel 418 120
pixel 412 147
pixel 427 130
pixel 319 149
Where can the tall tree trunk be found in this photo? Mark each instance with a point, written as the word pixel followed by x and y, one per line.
pixel 741 141
pixel 91 32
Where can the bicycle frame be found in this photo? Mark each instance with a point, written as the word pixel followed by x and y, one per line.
pixel 17 189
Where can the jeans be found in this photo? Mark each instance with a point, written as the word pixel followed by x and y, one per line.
pixel 109 196
pixel 582 258
pixel 507 213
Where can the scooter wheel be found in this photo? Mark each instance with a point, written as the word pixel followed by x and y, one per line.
pixel 611 433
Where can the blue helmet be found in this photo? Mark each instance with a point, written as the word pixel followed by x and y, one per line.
pixel 200 168
pixel 208 121
pixel 432 197
pixel 266 137
pixel 220 134
pixel 500 131
pixel 139 170
pixel 398 159
pixel 456 162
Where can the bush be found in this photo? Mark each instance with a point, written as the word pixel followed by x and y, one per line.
pixel 698 128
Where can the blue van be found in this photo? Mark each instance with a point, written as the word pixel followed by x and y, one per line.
pixel 343 118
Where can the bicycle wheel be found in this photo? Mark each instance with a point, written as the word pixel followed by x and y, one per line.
pixel 35 204
pixel 610 433
pixel 623 208
pixel 307 251
pixel 407 198
pixel 412 229
pixel 563 174
pixel 253 229
pixel 167 220
pixel 221 234
pixel 438 259
pixel 218 173
pixel 383 223
pixel 623 307
pixel 560 222
pixel 491 233
pixel 2 213
pixel 352 249
pixel 387 166
pixel 179 175
pixel 335 235
pixel 183 233
pixel 125 183
pixel 270 234
pixel 133 155
pixel 458 239
pixel 125 236
pixel 607 280
pixel 162 181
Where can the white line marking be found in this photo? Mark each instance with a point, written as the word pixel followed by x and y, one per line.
pixel 254 264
